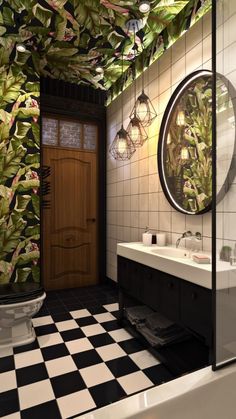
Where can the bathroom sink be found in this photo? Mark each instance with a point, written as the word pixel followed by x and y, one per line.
pixel 171 252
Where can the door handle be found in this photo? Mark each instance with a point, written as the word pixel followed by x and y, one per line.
pixel 92 220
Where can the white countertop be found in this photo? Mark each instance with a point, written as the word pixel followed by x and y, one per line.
pixel 184 268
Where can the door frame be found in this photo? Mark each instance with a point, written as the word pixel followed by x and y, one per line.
pixel 74 114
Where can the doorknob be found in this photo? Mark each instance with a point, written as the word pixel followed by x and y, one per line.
pixel 91 219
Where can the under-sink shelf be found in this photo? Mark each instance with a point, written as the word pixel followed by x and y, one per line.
pixel 179 358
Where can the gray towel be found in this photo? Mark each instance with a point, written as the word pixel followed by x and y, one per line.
pixel 158 322
pixel 155 340
pixel 137 314
pixel 148 334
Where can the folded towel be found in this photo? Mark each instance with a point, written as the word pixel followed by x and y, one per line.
pixel 199 258
pixel 155 340
pixel 148 334
pixel 157 329
pixel 137 314
pixel 158 322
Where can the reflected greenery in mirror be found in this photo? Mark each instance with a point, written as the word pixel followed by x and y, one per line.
pixel 185 145
pixel 226 149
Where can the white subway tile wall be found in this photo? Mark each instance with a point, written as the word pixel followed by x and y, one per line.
pixel 134 195
pixel 226 64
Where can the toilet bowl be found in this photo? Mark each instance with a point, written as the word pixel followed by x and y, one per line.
pixel 16 327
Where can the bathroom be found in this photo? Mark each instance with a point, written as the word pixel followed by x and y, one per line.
pixel 86 360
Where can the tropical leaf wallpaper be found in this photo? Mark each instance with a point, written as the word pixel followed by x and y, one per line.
pixel 67 39
pixel 19 176
pixel 64 39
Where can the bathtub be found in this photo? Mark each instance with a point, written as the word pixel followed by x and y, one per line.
pixel 203 394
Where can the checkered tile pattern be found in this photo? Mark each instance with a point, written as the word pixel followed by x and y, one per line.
pixel 81 360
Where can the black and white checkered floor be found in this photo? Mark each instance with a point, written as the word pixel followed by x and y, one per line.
pixel 80 361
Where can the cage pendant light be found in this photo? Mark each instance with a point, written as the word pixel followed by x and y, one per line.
pixel 143 108
pixel 135 128
pixel 122 147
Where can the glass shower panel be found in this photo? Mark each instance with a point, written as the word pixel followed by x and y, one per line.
pixel 224 283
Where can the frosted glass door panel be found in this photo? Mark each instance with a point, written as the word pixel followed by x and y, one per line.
pixel 90 137
pixel 70 134
pixel 49 131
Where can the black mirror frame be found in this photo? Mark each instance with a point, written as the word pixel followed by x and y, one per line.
pixel 163 136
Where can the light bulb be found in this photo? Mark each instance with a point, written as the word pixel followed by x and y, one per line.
pixel 144 6
pixel 99 69
pixel 168 139
pixel 180 118
pixel 184 153
pixel 21 47
pixel 134 133
pixel 122 145
pixel 142 111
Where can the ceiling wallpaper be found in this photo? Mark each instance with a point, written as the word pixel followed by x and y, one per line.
pixel 67 39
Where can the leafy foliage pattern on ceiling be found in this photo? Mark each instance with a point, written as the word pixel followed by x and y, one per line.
pixel 189 15
pixel 66 39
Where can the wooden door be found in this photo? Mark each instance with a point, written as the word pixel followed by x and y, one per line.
pixel 70 222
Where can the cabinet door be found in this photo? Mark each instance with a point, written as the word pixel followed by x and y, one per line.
pixel 170 297
pixel 195 309
pixel 135 280
pixel 124 272
pixel 150 287
pixel 129 276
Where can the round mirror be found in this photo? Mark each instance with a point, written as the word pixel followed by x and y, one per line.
pixel 185 143
pixel 226 132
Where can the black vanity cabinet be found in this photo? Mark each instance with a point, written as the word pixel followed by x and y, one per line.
pixel 170 288
pixel 195 309
pixel 149 287
pixel 130 279
pixel 179 300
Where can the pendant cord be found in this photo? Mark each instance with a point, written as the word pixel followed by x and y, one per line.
pixel 142 66
pixel 122 82
pixel 134 76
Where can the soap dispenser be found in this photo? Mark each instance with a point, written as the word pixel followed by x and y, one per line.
pixel 147 237
pixel 233 258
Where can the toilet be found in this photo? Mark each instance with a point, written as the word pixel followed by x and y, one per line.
pixel 17 308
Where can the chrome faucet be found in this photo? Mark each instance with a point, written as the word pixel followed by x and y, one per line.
pixel 184 236
pixel 189 235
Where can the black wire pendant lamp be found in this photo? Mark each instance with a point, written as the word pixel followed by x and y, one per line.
pixel 122 147
pixel 137 132
pixel 143 108
pixel 135 128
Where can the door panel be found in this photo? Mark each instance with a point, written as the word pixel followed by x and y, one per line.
pixel 70 230
pixel 71 178
pixel 70 260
